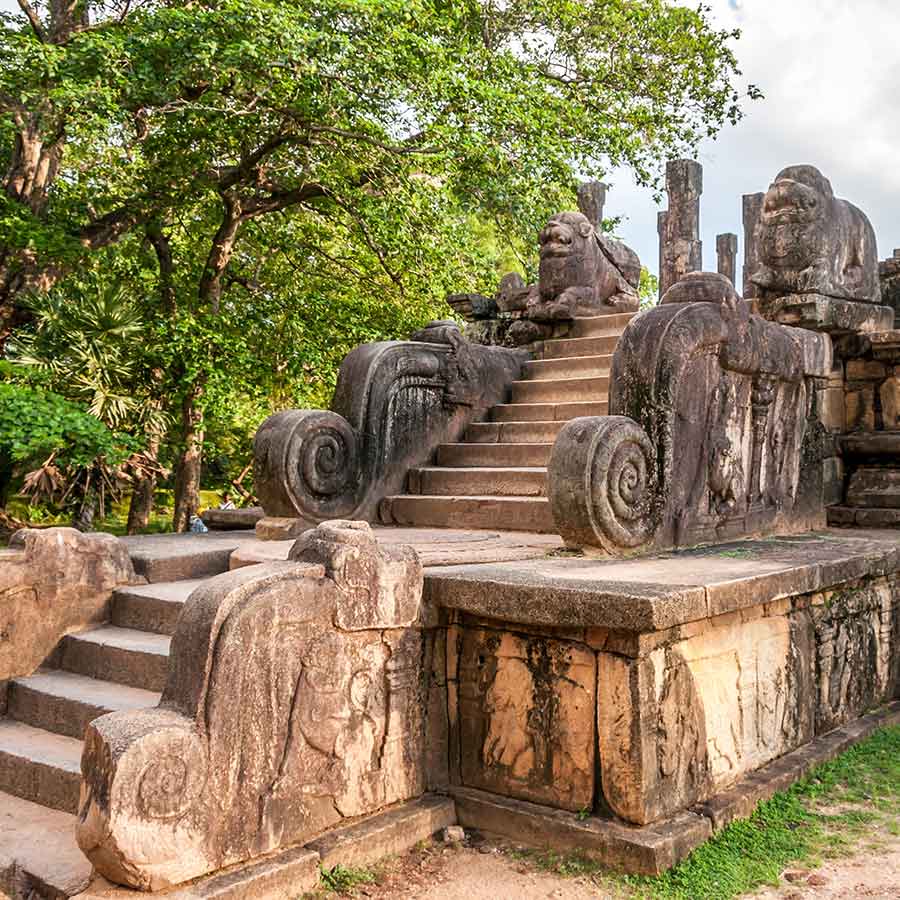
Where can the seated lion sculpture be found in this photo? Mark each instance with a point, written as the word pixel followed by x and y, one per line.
pixel 812 242
pixel 582 272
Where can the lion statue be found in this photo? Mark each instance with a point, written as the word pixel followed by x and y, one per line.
pixel 582 272
pixel 811 242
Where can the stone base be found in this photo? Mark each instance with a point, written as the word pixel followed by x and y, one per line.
pixel 867 517
pixel 288 874
pixel 829 314
pixel 651 849
pixel 232 519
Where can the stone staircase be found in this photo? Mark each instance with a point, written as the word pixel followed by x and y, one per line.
pixel 496 477
pixel 119 665
pixel 873 491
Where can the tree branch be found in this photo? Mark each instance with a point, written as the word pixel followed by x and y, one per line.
pixel 36 25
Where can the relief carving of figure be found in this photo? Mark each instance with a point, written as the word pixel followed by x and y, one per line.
pixel 582 272
pixel 725 475
pixel 507 704
pixel 813 242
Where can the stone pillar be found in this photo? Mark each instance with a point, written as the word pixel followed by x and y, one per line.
pixel 591 200
pixel 682 251
pixel 661 231
pixel 751 208
pixel 726 253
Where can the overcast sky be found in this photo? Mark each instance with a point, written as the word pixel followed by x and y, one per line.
pixel 830 70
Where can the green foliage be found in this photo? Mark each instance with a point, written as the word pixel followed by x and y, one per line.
pixel 342 879
pixel 35 424
pixel 240 191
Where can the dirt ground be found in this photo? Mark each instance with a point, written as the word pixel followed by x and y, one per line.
pixel 486 872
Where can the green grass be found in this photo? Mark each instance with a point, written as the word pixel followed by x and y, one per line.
pixel 842 805
pixel 343 880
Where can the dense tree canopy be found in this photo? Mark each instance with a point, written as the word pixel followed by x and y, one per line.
pixel 278 179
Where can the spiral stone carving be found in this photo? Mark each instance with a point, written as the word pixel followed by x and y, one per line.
pixel 307 465
pixel 603 485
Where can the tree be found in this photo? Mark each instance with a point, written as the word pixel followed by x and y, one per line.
pixel 377 126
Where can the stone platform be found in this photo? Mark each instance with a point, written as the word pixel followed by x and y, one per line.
pixel 625 708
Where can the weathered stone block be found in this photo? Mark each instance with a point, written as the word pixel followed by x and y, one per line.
pixel 693 717
pixel 830 405
pixel 849 667
pixel 865 370
pixel 526 717
pixel 889 393
pixel 859 408
pixel 53 581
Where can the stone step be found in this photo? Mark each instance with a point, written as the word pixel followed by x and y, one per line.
pixel 568 367
pixel 64 703
pixel 124 655
pixel 872 444
pixel 40 766
pixel 176 557
pixel 545 412
pixel 38 854
pixel 528 481
pixel 873 487
pixel 458 455
pixel 586 346
pixel 513 432
pixel 561 390
pixel 152 607
pixel 501 513
pixel 600 326
pixel 867 517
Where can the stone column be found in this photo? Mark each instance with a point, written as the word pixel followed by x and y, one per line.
pixel 726 253
pixel 591 200
pixel 682 250
pixel 661 231
pixel 752 205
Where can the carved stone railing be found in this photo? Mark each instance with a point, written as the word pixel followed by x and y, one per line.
pixel 395 402
pixel 713 434
pixel 293 700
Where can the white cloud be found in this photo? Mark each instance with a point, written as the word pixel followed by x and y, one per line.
pixel 830 72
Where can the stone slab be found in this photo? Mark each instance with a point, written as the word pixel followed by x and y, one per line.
pixel 232 519
pixel 846 516
pixel 173 557
pixel 283 876
pixel 829 314
pixel 385 834
pixel 435 546
pixel 659 592
pixel 38 851
pixel 649 850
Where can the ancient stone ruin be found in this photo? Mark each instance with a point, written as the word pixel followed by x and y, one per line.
pixel 588 578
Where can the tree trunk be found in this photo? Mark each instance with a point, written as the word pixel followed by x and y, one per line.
pixel 141 505
pixel 187 472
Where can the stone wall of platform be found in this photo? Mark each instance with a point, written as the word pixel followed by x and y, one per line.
pixel 647 724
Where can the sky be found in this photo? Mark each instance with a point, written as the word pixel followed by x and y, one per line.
pixel 830 72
